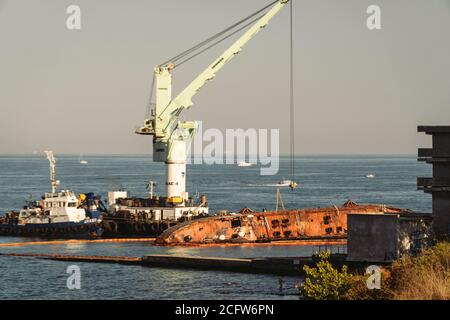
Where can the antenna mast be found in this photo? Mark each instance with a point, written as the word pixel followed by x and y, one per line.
pixel 52 161
pixel 151 189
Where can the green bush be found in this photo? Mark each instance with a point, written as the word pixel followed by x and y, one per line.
pixel 423 277
pixel 324 282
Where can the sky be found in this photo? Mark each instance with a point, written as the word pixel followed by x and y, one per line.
pixel 357 91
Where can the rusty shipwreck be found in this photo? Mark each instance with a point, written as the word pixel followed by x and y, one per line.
pixel 248 226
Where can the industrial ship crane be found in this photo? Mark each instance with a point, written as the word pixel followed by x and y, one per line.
pixel 172 137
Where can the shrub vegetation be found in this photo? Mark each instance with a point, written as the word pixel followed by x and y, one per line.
pixel 424 277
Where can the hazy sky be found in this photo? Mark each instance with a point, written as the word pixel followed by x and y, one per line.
pixel 357 91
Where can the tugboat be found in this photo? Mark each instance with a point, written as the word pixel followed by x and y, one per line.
pixel 59 214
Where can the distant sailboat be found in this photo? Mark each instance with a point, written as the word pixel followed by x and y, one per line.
pixel 81 160
pixel 244 164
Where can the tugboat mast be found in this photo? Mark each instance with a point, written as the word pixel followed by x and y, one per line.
pixel 52 160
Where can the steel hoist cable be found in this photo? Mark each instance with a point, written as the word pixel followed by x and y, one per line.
pixel 217 35
pixel 192 51
pixel 150 100
pixel 219 41
pixel 291 96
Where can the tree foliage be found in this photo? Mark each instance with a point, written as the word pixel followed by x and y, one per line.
pixel 423 277
pixel 324 282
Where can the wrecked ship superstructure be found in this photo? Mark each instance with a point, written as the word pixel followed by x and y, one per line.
pixel 247 226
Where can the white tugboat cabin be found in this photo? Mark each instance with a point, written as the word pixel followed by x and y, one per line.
pixel 53 208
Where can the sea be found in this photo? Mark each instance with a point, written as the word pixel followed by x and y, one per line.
pixel 323 181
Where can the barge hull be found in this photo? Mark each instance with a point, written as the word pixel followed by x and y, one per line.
pixel 63 230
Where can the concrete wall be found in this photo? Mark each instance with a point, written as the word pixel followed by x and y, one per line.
pixel 441 212
pixel 440 186
pixel 441 144
pixel 441 174
pixel 373 237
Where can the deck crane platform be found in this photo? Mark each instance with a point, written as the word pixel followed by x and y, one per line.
pixel 172 137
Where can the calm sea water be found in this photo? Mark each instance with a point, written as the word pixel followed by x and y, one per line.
pixel 324 181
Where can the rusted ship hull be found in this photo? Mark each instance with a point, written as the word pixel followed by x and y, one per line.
pixel 317 223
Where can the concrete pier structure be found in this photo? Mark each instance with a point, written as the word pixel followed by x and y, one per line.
pixel 383 238
pixel 439 184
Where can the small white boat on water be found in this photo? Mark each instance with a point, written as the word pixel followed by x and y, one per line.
pixel 287 183
pixel 244 164
pixel 81 160
pixel 284 183
pixel 370 176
